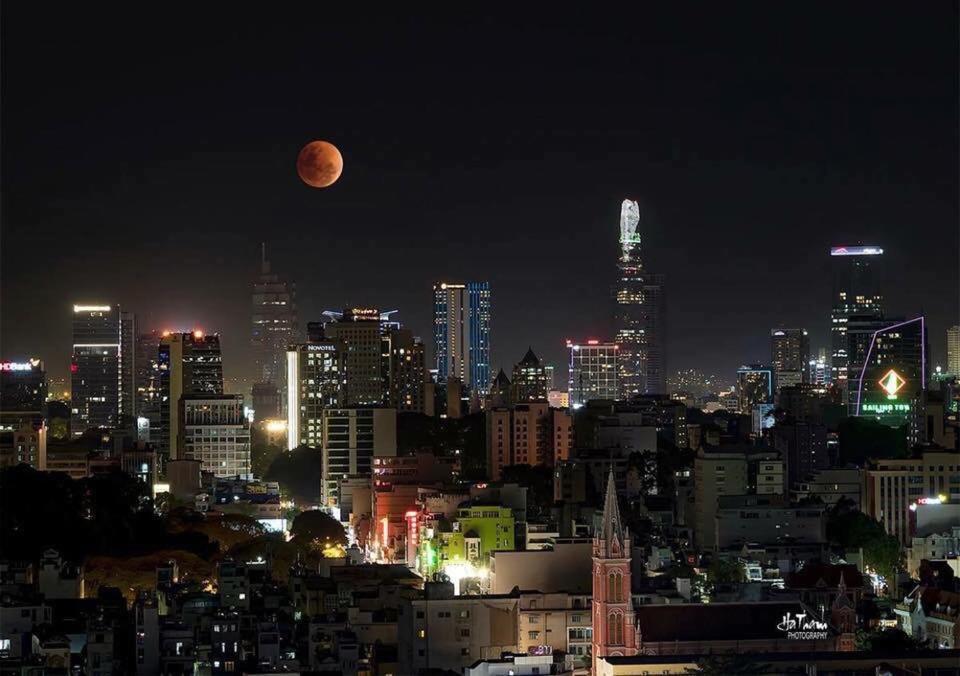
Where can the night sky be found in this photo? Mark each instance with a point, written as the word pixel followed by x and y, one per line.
pixel 146 156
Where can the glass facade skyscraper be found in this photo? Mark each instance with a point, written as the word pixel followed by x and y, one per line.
pixel 639 314
pixel 461 332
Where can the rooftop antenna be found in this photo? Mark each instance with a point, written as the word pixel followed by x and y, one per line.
pixel 264 265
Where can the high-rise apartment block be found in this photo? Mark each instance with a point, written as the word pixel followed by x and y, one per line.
pixel 527 434
pixel 461 333
pixel 639 315
pixel 592 372
pixel 214 430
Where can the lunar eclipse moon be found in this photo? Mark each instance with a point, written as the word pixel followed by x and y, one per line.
pixel 319 164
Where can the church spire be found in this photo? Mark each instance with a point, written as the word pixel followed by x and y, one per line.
pixel 612 529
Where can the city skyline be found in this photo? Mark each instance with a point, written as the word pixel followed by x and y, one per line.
pixel 754 195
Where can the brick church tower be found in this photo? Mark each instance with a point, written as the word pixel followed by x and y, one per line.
pixel 615 629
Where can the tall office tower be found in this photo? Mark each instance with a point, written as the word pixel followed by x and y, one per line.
pixel 461 333
pixel 953 350
pixel 529 380
pixel 149 384
pixel 351 438
pixel 274 316
pixel 128 368
pixel 855 292
pixel 592 372
pixel 189 363
pixel 405 370
pixel 754 387
pixel 100 396
pixel 789 356
pixel 639 314
pixel 316 380
pixel 360 332
pixel 818 372
pixel 214 430
pixel 893 376
pixel 266 401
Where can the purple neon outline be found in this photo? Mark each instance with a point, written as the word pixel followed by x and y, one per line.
pixel 923 355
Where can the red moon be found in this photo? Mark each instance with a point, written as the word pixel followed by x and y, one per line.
pixel 319 164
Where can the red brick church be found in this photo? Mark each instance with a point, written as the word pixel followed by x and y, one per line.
pixel 615 630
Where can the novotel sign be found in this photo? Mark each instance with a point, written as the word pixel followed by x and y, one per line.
pixel 321 348
pixel 19 366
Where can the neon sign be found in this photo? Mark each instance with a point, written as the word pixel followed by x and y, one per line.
pixel 19 366
pixel 891 383
pixel 881 409
pixel 856 251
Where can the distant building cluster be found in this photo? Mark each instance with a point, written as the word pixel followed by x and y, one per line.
pixel 795 513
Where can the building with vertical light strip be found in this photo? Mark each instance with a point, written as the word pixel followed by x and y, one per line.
pixel 856 292
pixel 592 372
pixel 98 390
pixel 461 331
pixel 316 380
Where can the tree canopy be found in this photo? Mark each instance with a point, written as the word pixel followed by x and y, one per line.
pixel 298 473
pixel 317 527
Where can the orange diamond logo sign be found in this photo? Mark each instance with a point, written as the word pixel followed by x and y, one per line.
pixel 891 383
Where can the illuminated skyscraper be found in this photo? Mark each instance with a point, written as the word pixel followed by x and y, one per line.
pixel 316 380
pixel 274 317
pixel 361 331
pixel 185 364
pixel 855 293
pixel 461 332
pixel 639 314
pixel 102 366
pixel 789 356
pixel 893 373
pixel 754 387
pixel 953 350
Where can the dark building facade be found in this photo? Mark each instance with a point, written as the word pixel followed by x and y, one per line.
pixel 102 392
pixel 529 382
pixel 274 324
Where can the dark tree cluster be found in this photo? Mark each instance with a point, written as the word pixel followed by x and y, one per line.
pixel 107 514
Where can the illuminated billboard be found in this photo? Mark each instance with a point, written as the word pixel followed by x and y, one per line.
pixel 855 251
